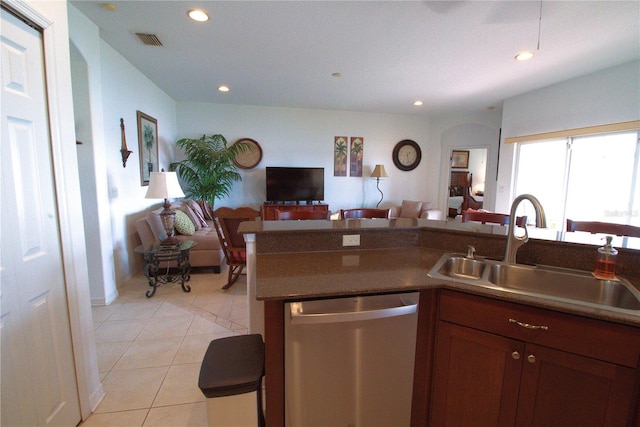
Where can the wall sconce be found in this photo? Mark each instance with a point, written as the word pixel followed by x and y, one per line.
pixel 379 172
pixel 123 149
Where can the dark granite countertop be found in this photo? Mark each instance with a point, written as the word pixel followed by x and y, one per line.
pixel 302 271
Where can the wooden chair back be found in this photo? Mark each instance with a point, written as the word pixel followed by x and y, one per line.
pixel 594 227
pixel 226 220
pixel 284 215
pixel 491 218
pixel 364 213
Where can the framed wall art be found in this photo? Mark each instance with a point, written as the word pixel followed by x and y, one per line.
pixel 356 153
pixel 340 154
pixel 148 146
pixel 459 159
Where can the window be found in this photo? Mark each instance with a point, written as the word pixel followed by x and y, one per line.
pixel 592 178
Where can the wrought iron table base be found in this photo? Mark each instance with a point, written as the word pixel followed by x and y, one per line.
pixel 152 270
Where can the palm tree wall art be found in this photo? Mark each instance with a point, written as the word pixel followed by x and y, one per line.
pixel 148 146
pixel 356 154
pixel 340 156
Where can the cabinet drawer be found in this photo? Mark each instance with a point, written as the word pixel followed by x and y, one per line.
pixel 598 339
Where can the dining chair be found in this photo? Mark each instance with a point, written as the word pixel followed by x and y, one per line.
pixel 491 218
pixel 284 215
pixel 364 213
pixel 603 227
pixel 226 221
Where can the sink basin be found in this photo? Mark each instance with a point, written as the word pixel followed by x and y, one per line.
pixel 463 268
pixel 574 285
pixel 563 284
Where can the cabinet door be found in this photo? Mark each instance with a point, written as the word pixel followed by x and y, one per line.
pixel 476 378
pixel 563 389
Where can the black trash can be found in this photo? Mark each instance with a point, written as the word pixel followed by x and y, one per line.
pixel 231 380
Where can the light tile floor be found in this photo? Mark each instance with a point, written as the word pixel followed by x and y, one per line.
pixel 150 349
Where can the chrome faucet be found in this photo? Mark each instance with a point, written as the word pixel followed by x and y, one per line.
pixel 471 250
pixel 514 242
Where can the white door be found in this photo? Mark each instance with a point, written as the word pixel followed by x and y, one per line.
pixel 37 376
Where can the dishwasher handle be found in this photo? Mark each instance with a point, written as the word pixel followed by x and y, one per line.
pixel 398 306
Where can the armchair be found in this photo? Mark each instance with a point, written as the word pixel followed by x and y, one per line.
pixel 412 209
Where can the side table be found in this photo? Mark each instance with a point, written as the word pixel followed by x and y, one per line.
pixel 155 254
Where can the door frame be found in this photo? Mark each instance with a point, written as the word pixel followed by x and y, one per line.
pixel 51 18
pixel 455 138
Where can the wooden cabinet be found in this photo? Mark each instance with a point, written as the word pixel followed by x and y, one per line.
pixel 268 211
pixel 504 364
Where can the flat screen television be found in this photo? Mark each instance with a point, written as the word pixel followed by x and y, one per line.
pixel 290 184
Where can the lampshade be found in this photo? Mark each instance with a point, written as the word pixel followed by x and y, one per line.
pixel 379 172
pixel 164 185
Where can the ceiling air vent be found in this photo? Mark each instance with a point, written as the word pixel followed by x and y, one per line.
pixel 149 39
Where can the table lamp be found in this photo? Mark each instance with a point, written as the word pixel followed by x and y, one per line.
pixel 165 185
pixel 379 172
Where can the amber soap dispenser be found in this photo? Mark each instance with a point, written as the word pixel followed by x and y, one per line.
pixel 606 261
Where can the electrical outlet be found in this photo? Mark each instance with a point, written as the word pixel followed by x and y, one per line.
pixel 351 240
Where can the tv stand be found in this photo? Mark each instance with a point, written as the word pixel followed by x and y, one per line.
pixel 268 210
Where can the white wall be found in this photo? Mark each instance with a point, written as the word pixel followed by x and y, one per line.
pixel 119 92
pixel 607 96
pixel 478 166
pixel 296 137
pixel 124 91
pixel 87 99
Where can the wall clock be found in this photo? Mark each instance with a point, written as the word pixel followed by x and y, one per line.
pixel 407 155
pixel 249 158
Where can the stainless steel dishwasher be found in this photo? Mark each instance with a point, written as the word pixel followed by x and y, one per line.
pixel 349 361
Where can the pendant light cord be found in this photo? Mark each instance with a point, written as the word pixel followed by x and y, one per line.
pixel 539 25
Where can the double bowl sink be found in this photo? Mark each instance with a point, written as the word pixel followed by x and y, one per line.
pixel 574 285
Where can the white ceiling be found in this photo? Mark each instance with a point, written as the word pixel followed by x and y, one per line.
pixel 452 55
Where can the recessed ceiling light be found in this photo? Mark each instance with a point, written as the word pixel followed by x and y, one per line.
pixel 523 56
pixel 198 15
pixel 418 103
pixel 223 88
pixel 108 6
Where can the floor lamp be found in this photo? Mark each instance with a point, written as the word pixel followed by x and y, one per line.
pixel 165 185
pixel 379 172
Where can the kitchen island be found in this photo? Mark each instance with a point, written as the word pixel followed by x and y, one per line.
pixel 293 260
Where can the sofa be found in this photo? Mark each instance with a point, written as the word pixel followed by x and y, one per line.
pixel 192 223
pixel 415 209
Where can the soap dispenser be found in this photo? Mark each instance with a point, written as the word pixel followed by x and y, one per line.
pixel 606 261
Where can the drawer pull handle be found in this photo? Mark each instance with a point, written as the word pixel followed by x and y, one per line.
pixel 515 355
pixel 528 326
pixel 531 358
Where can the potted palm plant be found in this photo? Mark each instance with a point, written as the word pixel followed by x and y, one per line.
pixel 209 170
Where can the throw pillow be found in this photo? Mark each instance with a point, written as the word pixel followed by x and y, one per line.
pixel 153 218
pixel 410 209
pixel 206 210
pixel 192 216
pixel 197 210
pixel 183 224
